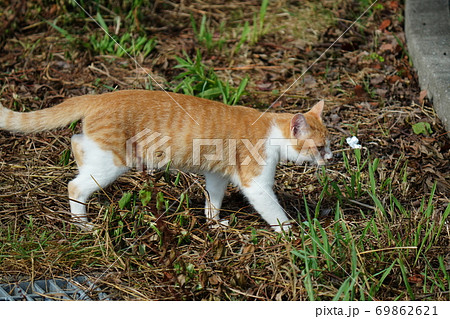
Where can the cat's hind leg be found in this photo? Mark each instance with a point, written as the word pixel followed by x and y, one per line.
pixel 97 169
pixel 215 186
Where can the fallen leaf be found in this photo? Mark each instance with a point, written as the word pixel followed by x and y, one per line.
pixel 181 279
pixel 384 24
pixel 387 47
pixel 393 5
pixel 53 9
pixel 265 86
pixel 393 79
pixel 219 248
pixel 167 276
pixel 416 279
pixel 377 79
pixel 240 279
pixel 422 96
pixel 381 92
pixel 247 253
pixel 375 66
pixel 277 104
pixel 359 91
pixel 214 280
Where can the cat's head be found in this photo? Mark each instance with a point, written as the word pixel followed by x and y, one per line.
pixel 312 143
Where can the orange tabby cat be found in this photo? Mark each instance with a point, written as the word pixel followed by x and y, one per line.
pixel 150 128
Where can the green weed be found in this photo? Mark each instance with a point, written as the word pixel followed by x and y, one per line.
pixel 125 44
pixel 198 80
pixel 243 38
pixel 375 57
pixel 253 33
pixel 64 158
pixel 358 254
pixel 110 44
pixel 353 187
pixel 205 35
pixel 364 4
pixel 258 29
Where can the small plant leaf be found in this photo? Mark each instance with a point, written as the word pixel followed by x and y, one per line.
pixel 73 125
pixel 160 201
pixel 125 200
pixel 422 128
pixel 102 23
pixel 145 196
pixel 63 32
pixel 65 157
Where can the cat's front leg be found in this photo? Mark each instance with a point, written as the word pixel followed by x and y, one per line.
pixel 215 186
pixel 260 194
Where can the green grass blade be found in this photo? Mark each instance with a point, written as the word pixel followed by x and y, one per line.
pixel 405 279
pixel 386 273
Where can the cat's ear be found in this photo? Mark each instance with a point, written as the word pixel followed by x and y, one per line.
pixel 317 109
pixel 299 127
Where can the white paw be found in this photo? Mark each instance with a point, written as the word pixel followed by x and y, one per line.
pixel 83 223
pixel 86 226
pixel 283 228
pixel 219 224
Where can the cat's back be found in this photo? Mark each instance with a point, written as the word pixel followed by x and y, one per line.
pixel 140 101
pixel 147 99
pixel 171 110
pixel 118 116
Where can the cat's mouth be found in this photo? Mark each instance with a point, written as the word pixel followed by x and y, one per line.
pixel 319 158
pixel 324 154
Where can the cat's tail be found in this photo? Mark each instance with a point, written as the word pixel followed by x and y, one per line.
pixel 71 110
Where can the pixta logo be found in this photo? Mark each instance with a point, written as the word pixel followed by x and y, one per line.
pixel 148 149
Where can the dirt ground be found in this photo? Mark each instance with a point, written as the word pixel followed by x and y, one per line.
pixel 300 55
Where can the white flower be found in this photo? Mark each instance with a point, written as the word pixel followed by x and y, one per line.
pixel 353 142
